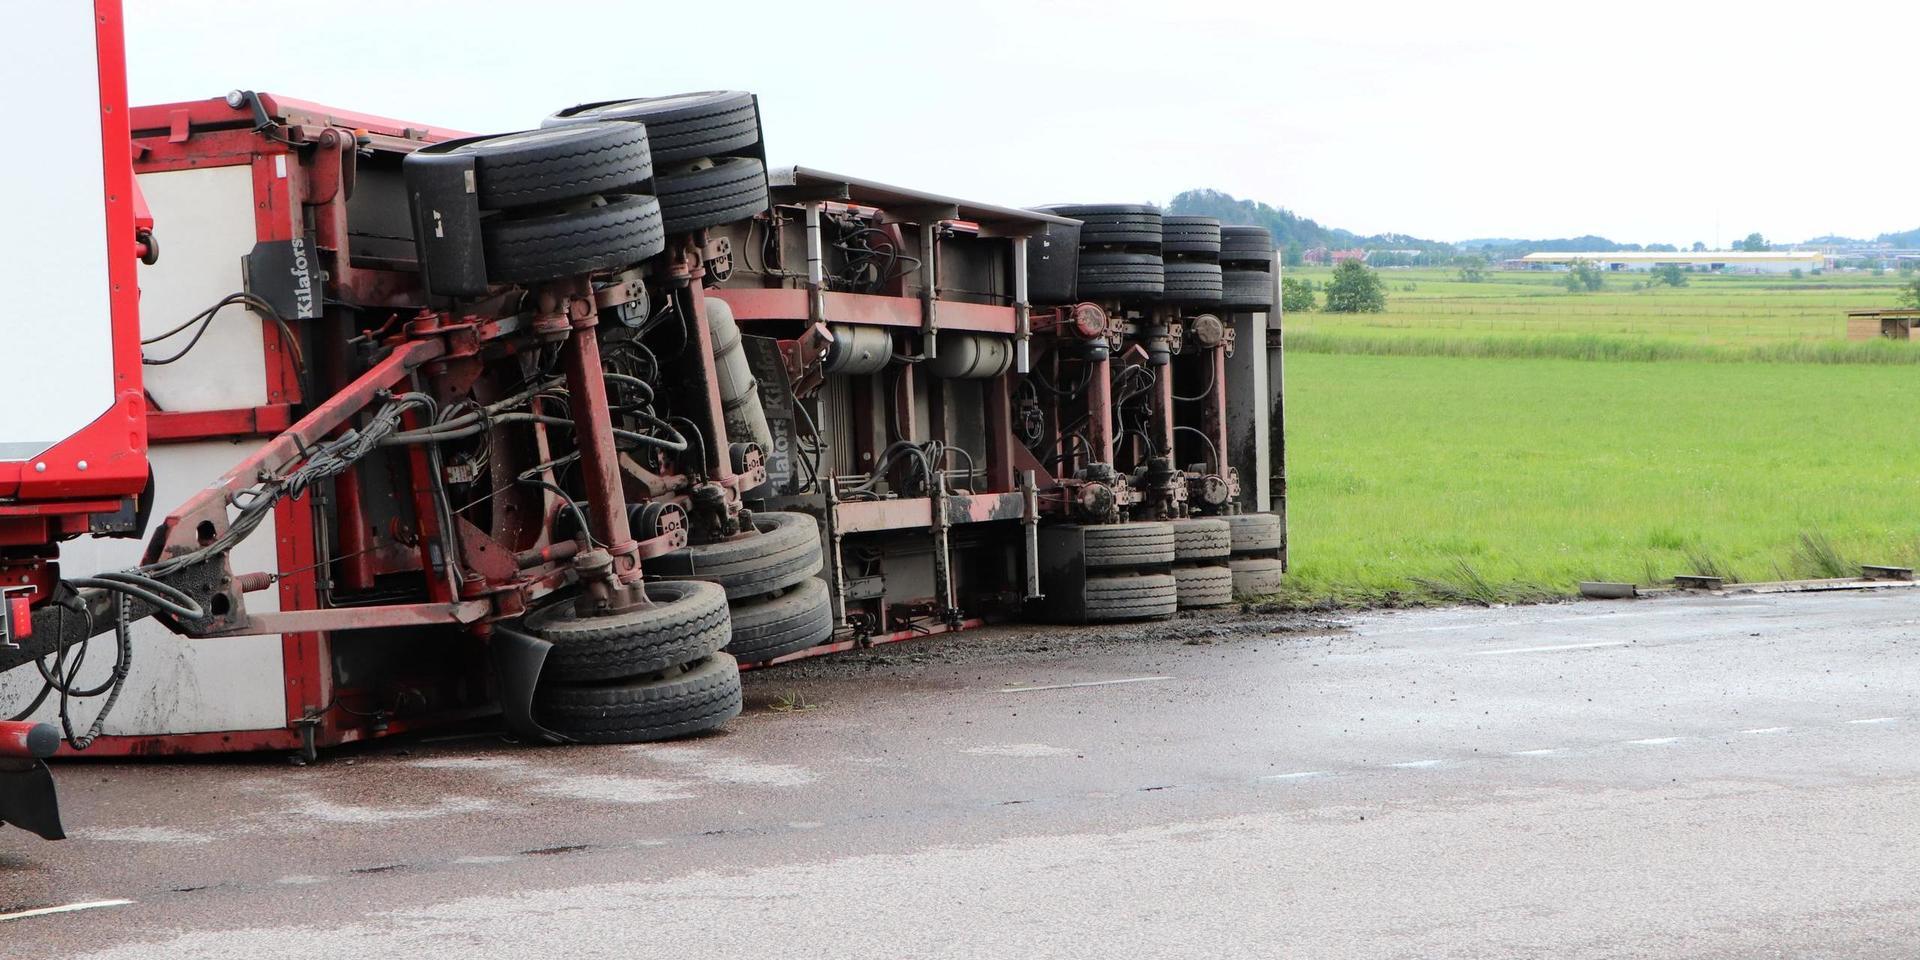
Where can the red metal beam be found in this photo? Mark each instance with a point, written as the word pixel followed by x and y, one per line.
pixel 867 309
pixel 916 513
pixel 185 425
pixel 361 618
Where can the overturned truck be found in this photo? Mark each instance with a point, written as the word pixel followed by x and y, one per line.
pixel 569 424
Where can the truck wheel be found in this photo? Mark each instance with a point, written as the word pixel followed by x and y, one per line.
pixel 1107 273
pixel 686 621
pixel 1255 577
pixel 1256 532
pixel 545 166
pixel 783 550
pixel 1131 596
pixel 1250 290
pixel 1201 538
pixel 1188 282
pixel 684 126
pixel 1208 585
pixel 1248 245
pixel 674 703
pixel 729 190
pixel 789 623
pixel 1113 224
pixel 1190 235
pixel 622 232
pixel 1127 545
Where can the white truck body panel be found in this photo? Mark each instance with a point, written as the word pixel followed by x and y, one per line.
pixel 179 685
pixel 56 365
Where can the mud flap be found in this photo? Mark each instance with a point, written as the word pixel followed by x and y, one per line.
pixel 517 660
pixel 27 798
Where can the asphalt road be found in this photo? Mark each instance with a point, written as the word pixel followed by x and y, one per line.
pixel 1710 777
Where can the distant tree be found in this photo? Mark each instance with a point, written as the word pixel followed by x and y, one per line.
pixel 1296 295
pixel 1473 269
pixel 1669 274
pixel 1910 295
pixel 1754 243
pixel 1796 273
pixel 1584 277
pixel 1699 247
pixel 1291 255
pixel 1355 289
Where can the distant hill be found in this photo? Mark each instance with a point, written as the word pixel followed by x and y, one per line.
pixel 1292 232
pixel 1906 238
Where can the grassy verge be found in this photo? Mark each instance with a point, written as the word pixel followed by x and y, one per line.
pixel 1574 346
pixel 1422 478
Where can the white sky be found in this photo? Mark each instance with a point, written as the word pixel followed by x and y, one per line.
pixel 1645 122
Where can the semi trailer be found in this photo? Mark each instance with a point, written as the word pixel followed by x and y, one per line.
pixel 325 426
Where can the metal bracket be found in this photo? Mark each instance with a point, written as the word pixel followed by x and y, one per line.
pixel 1030 521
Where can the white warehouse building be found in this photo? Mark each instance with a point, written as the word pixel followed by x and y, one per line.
pixel 1732 261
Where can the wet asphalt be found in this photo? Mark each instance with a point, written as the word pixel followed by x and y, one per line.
pixel 1698 777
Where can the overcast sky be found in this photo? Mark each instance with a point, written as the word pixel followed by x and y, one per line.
pixel 1648 122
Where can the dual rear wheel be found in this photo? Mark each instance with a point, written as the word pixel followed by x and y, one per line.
pixel 670 668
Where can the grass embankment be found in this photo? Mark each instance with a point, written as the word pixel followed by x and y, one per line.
pixel 1480 477
pixel 1583 346
pixel 1711 309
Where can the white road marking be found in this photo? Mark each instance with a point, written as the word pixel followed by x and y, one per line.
pixel 1879 720
pixel 1557 646
pixel 1297 775
pixel 64 908
pixel 1655 741
pixel 1022 750
pixel 1547 752
pixel 1768 730
pixel 1415 764
pixel 1090 683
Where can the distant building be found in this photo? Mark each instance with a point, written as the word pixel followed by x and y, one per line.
pixel 1730 261
pixel 1317 256
pixel 1355 254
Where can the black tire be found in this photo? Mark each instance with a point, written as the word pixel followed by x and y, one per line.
pixel 1201 538
pixel 1197 236
pixel 1255 577
pixel 1113 224
pixel 1256 533
pixel 1131 596
pixel 1202 586
pixel 789 623
pixel 731 190
pixel 1120 275
pixel 686 621
pixel 784 550
pixel 682 127
pixel 700 697
pixel 1252 245
pixel 1192 282
pixel 1249 290
pixel 623 232
pixel 535 167
pixel 1126 545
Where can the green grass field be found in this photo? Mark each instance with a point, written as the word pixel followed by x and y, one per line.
pixel 1711 309
pixel 1441 467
